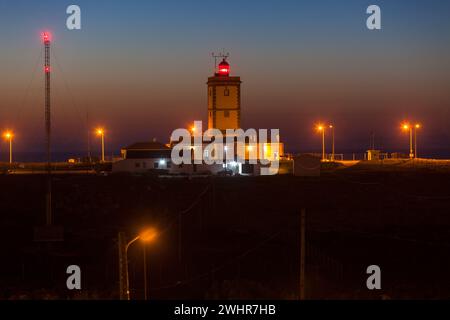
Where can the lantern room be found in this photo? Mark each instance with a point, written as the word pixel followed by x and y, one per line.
pixel 224 69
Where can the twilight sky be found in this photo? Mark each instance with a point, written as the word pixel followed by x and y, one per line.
pixel 140 69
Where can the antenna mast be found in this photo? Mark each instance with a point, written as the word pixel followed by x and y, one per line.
pixel 46 39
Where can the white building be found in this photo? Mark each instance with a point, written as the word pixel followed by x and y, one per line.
pixel 143 157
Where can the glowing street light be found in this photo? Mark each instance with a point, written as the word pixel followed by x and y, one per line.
pixel 101 132
pixel 8 135
pixel 406 127
pixel 146 236
pixel 321 128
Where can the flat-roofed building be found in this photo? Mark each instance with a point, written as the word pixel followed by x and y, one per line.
pixel 143 157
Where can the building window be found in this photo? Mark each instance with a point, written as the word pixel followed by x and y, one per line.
pixel 169 164
pixel 156 165
pixel 144 165
pixel 210 92
pixel 226 114
pixel 137 164
pixel 226 92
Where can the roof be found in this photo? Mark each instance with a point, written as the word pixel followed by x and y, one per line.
pixel 153 145
pixel 224 63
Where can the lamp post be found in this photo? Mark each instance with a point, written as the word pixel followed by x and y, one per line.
pixel 9 136
pixel 407 127
pixel 144 249
pixel 321 128
pixel 146 236
pixel 332 139
pixel 416 127
pixel 101 133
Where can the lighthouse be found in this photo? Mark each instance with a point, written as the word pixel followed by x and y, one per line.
pixel 224 99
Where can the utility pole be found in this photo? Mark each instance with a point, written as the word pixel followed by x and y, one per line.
pixel 411 151
pixel 416 127
pixel 10 152
pixel 302 253
pixel 415 142
pixel 103 147
pixel 323 144
pixel 123 267
pixel 332 138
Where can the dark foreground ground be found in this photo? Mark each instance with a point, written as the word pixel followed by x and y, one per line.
pixel 233 237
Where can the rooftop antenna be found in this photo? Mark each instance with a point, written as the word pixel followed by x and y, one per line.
pixel 221 55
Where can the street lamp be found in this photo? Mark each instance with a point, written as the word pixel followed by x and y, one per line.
pixel 146 236
pixel 101 133
pixel 407 127
pixel 416 127
pixel 9 136
pixel 321 128
pixel 332 139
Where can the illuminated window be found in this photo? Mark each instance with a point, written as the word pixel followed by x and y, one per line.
pixel 226 114
pixel 210 92
pixel 226 92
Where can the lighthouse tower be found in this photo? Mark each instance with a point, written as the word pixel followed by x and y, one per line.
pixel 224 99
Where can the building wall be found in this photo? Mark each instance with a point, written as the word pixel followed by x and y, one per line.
pixel 141 165
pixel 198 169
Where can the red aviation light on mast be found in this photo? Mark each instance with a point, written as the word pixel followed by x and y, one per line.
pixel 46 37
pixel 47 69
pixel 224 68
